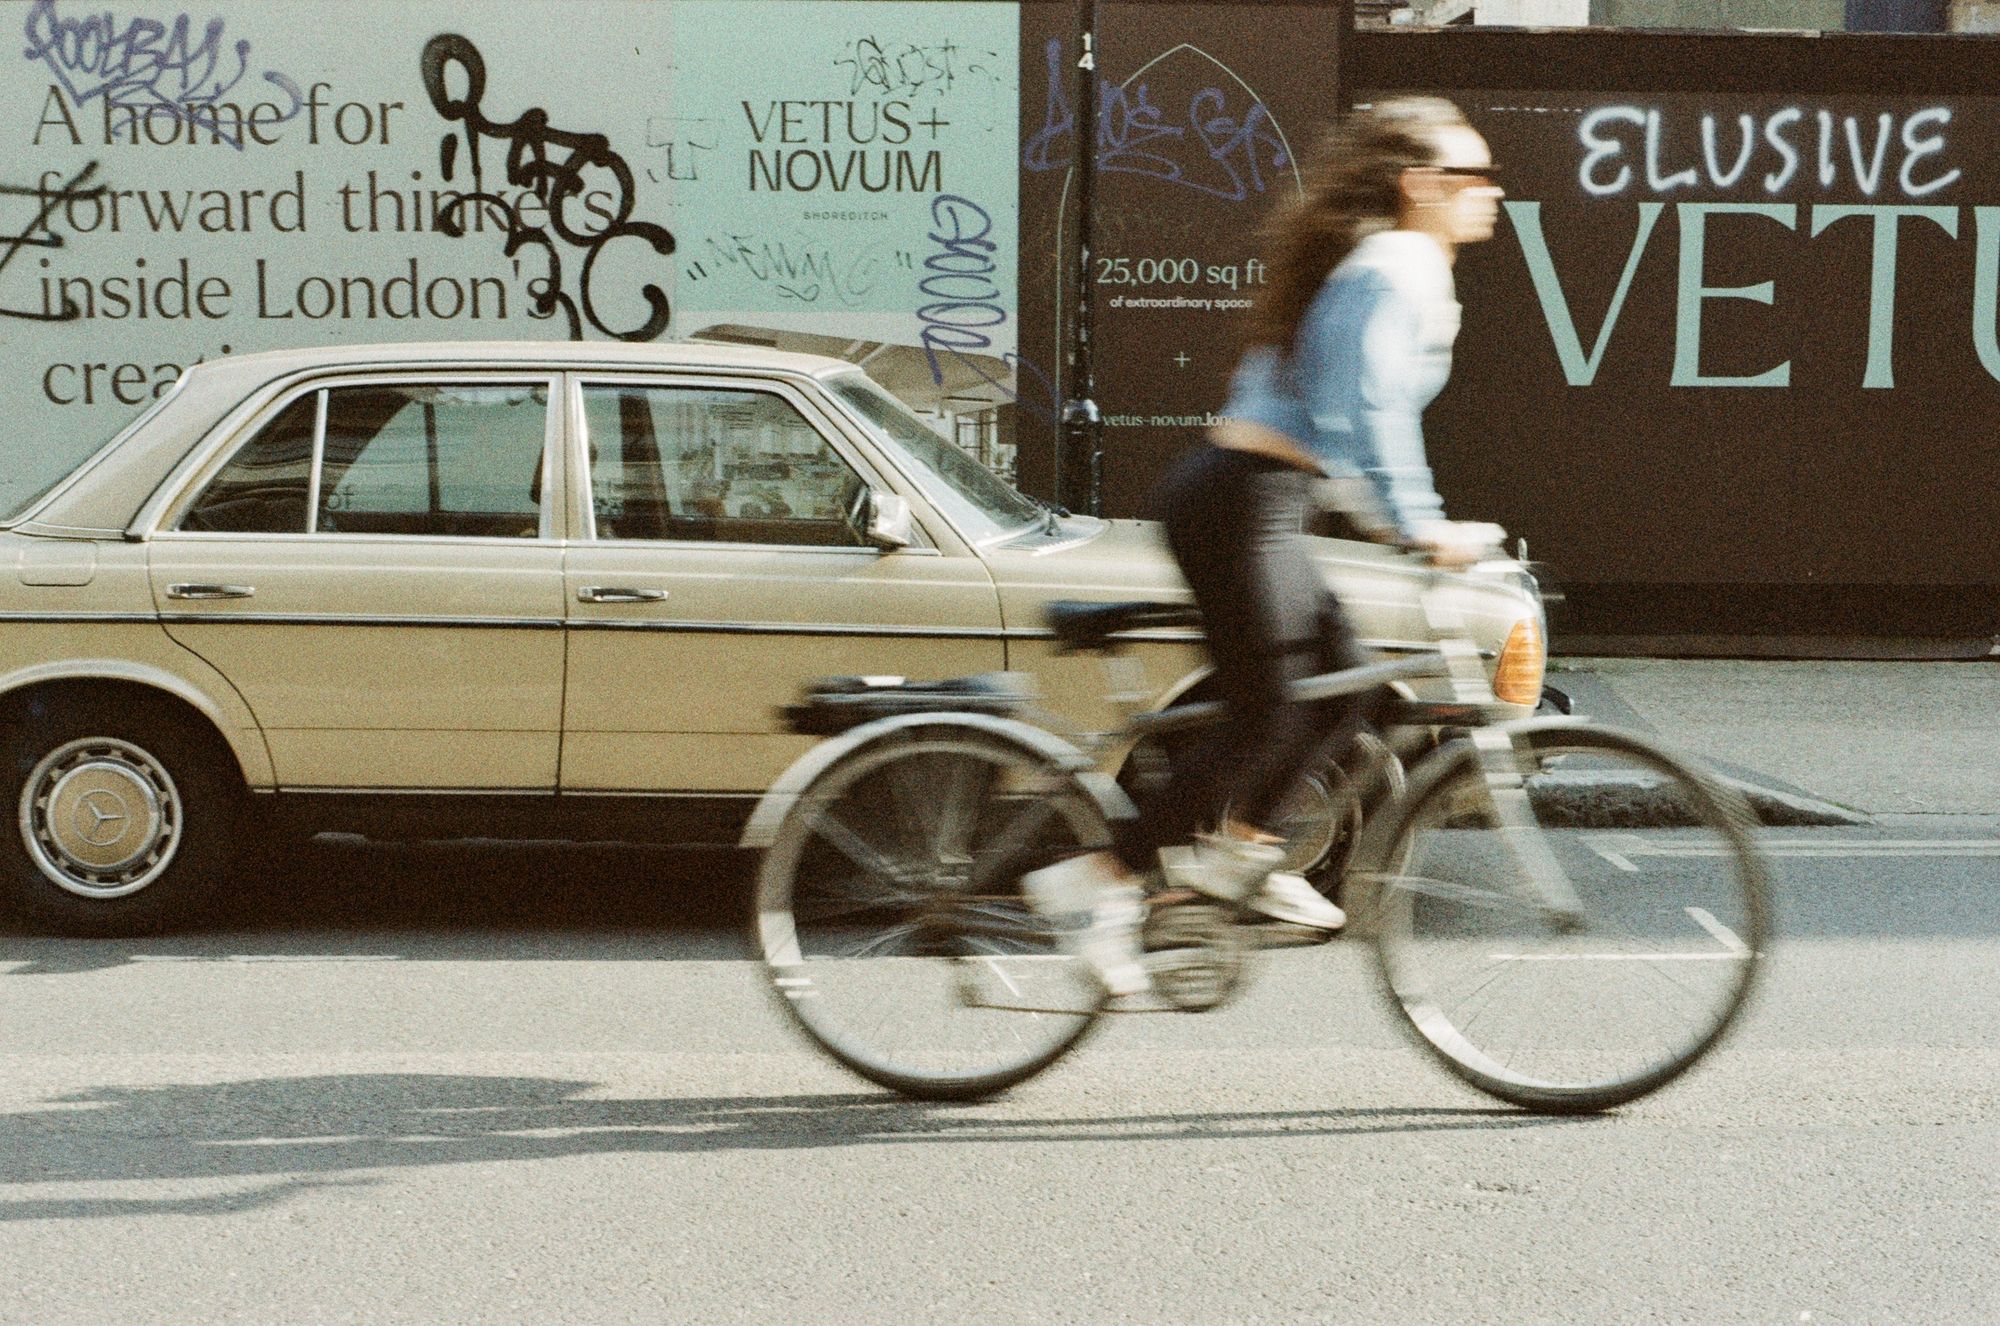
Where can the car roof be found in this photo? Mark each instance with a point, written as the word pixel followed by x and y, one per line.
pixel 106 491
pixel 562 354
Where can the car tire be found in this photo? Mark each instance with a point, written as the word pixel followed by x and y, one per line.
pixel 124 818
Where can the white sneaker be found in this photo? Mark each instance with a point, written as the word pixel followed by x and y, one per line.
pixel 1292 899
pixel 1229 869
pixel 1236 870
pixel 1098 916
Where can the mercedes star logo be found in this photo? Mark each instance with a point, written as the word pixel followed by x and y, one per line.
pixel 100 818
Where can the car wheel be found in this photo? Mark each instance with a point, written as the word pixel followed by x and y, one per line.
pixel 123 820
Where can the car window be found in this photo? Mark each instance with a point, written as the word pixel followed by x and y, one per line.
pixel 263 489
pixel 979 501
pixel 459 460
pixel 711 463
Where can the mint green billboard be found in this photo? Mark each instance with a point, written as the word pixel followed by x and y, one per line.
pixel 251 174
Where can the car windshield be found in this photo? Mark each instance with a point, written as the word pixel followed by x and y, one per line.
pixel 970 495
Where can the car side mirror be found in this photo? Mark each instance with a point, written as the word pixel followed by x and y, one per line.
pixel 888 521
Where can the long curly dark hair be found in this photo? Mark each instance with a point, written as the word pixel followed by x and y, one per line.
pixel 1350 193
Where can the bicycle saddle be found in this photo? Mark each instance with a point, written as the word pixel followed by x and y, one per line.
pixel 835 704
pixel 1089 625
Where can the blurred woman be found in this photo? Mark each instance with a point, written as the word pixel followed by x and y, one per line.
pixel 1349 340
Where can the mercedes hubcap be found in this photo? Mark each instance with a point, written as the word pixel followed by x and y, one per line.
pixel 101 817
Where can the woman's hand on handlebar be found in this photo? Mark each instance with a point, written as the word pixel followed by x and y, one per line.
pixel 1453 545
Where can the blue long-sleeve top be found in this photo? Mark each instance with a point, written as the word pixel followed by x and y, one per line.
pixel 1373 349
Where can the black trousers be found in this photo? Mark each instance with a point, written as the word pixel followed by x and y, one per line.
pixel 1234 521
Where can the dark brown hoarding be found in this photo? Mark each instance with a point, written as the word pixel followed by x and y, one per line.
pixel 1204 112
pixel 1730 364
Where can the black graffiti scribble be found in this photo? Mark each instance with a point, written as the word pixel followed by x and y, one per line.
pixel 549 163
pixel 146 64
pixel 908 69
pixel 72 190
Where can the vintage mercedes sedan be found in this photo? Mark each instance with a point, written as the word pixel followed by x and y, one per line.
pixel 543 589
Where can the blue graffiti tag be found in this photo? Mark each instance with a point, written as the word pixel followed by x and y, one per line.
pixel 966 303
pixel 147 65
pixel 1137 137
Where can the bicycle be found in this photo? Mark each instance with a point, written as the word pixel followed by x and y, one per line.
pixel 1566 916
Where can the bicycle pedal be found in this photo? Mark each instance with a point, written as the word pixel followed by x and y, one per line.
pixel 1195 953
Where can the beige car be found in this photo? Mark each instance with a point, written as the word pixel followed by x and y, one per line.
pixel 546 589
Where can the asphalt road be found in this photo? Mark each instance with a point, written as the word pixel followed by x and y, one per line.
pixel 478 1084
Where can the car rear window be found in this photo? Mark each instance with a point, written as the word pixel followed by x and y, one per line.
pixel 424 458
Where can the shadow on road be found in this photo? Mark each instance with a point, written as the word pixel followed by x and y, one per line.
pixel 462 900
pixel 311 1132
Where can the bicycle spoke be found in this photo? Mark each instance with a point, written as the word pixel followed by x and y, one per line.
pixel 912 792
pixel 857 849
pixel 1007 847
pixel 958 809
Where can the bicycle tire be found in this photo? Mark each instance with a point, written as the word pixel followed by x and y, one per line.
pixel 1664 946
pixel 892 880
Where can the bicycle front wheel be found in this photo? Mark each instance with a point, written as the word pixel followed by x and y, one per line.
pixel 891 917
pixel 1590 946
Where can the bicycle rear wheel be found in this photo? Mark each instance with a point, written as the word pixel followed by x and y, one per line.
pixel 1576 1013
pixel 891 918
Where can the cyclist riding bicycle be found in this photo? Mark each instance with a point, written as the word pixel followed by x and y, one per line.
pixel 1349 341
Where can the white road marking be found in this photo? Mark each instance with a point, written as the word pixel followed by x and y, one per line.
pixel 1728 938
pixel 1733 948
pixel 1620 957
pixel 1620 848
pixel 1615 858
pixel 267 957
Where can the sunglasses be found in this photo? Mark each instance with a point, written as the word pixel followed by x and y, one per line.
pixel 1490 173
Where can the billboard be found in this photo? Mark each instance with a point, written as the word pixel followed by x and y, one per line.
pixel 1730 363
pixel 238 176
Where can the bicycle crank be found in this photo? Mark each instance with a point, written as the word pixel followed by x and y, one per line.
pixel 1194 951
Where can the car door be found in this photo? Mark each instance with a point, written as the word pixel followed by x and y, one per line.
pixel 378 570
pixel 719 568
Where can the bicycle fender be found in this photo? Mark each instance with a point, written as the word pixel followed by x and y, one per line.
pixel 762 829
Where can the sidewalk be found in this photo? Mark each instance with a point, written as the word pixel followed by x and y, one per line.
pixel 1885 739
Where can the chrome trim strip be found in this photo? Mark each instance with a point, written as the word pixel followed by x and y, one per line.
pixel 790 628
pixel 1187 637
pixel 592 624
pixel 229 618
pixel 419 791
pixel 683 627
pixel 352 538
pixel 542 792
pixel 72 617
pixel 646 794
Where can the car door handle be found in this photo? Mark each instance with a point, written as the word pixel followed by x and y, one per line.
pixel 614 594
pixel 186 591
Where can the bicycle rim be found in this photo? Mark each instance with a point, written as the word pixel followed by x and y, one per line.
pixel 1671 921
pixel 892 923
